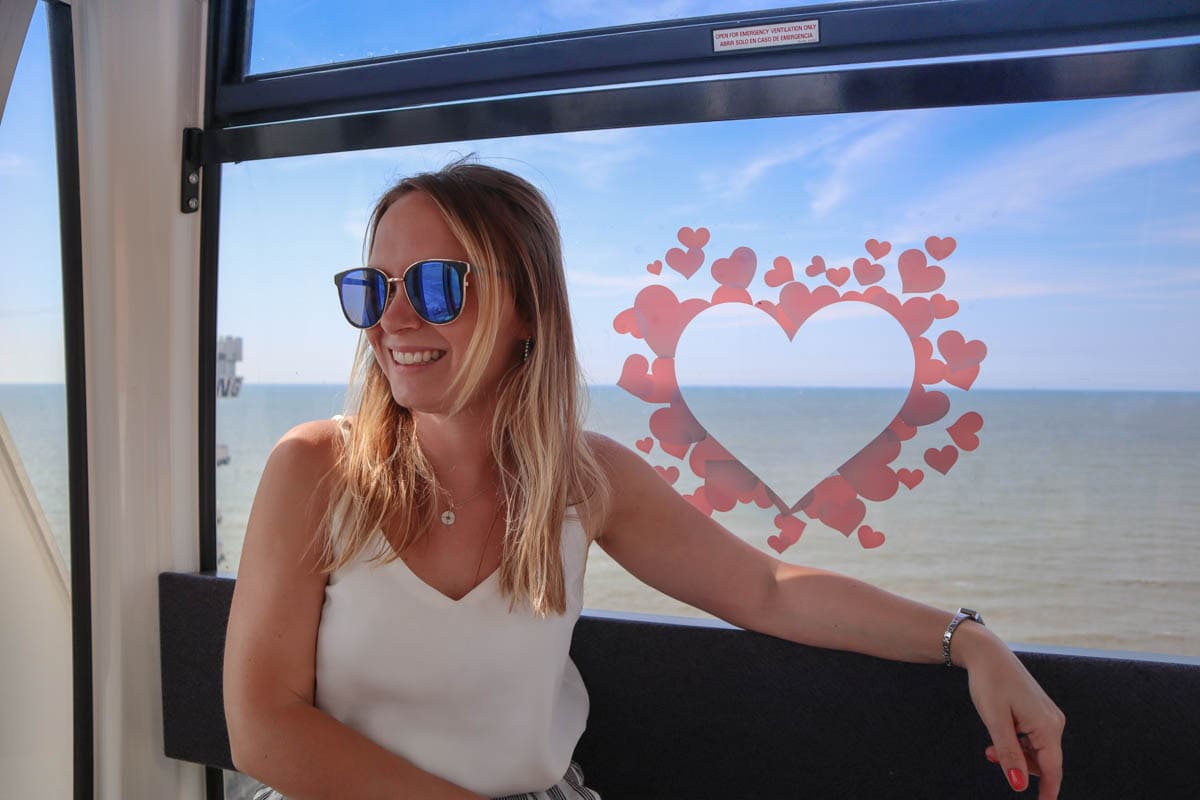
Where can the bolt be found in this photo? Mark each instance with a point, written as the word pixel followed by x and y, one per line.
pixel 193 178
pixel 193 203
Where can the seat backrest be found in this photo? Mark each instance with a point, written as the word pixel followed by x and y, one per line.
pixel 698 709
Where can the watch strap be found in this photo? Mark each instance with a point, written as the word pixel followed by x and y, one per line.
pixel 959 617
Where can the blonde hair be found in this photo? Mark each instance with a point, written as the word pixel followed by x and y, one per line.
pixel 537 440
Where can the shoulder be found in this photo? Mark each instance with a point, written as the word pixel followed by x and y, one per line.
pixel 307 453
pixel 634 485
pixel 610 453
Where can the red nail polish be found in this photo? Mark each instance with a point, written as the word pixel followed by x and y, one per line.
pixel 992 758
pixel 1017 779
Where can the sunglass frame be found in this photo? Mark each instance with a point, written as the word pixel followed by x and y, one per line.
pixel 465 272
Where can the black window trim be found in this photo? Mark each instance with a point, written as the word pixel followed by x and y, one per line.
pixel 850 33
pixel 60 33
pixel 1015 79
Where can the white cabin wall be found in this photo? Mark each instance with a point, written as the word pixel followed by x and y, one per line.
pixel 35 616
pixel 14 23
pixel 139 81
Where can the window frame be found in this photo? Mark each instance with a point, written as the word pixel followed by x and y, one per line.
pixel 422 98
pixel 851 33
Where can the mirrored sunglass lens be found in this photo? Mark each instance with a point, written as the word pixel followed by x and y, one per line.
pixel 435 289
pixel 363 294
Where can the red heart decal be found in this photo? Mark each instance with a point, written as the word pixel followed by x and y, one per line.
pixel 661 317
pixel 961 354
pixel 902 430
pixel 963 378
pixel 675 425
pixel 868 471
pixel 943 308
pixel 878 249
pixel 834 502
pixel 737 270
pixel 964 431
pixel 940 249
pixel 727 482
pixel 686 264
pixel 915 314
pixel 867 273
pixel 838 276
pixel 942 460
pixel 924 408
pixel 668 474
pixel 626 322
pixel 693 239
pixel 790 529
pixel 780 273
pixel 870 538
pixel 929 369
pixel 699 502
pixel 916 277
pixel 798 304
pixel 654 384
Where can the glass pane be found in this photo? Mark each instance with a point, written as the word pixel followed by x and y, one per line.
pixel 34 497
pixel 1030 268
pixel 289 35
pixel 32 393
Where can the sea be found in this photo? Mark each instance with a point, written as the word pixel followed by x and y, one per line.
pixel 1075 522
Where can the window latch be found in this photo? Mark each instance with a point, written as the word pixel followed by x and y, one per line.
pixel 193 155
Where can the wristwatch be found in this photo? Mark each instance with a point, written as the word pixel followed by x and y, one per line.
pixel 963 614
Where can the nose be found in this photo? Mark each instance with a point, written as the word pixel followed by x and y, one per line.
pixel 398 314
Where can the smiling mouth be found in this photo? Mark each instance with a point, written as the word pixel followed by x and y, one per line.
pixel 418 357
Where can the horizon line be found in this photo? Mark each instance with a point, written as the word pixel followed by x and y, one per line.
pixel 590 386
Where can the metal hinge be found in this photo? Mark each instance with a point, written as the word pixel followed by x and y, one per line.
pixel 193 155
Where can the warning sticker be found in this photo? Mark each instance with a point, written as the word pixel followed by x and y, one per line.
pixel 780 34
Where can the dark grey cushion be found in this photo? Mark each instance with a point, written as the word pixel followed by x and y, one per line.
pixel 684 709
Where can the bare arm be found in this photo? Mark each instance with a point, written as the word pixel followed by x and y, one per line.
pixel 276 734
pixel 662 540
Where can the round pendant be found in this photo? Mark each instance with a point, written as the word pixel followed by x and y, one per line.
pixel 448 517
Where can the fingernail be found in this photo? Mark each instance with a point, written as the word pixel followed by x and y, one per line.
pixel 1017 779
pixel 992 758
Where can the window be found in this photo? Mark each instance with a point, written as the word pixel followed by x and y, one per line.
pixel 1056 238
pixel 34 497
pixel 287 36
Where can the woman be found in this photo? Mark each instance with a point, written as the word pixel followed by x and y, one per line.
pixel 411 576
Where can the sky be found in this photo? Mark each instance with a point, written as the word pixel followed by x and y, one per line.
pixel 1077 224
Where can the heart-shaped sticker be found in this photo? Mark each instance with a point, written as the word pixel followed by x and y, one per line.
pixel 840 345
pixel 821 455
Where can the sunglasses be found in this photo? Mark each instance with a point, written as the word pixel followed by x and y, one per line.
pixel 435 288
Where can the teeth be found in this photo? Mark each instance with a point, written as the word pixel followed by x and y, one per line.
pixel 421 357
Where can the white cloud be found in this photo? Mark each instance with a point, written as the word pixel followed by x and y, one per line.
pixel 737 179
pixel 848 160
pixel 1023 179
pixel 999 283
pixel 15 164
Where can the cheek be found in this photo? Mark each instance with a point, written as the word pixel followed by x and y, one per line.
pixel 376 351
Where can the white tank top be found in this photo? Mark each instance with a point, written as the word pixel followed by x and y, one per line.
pixel 487 699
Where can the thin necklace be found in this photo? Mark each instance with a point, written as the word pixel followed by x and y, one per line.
pixel 448 515
pixel 483 551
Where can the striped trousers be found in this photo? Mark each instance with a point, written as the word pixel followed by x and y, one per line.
pixel 571 787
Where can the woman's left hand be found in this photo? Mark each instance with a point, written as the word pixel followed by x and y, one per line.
pixel 1025 725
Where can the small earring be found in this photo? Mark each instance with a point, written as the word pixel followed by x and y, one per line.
pixel 528 347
